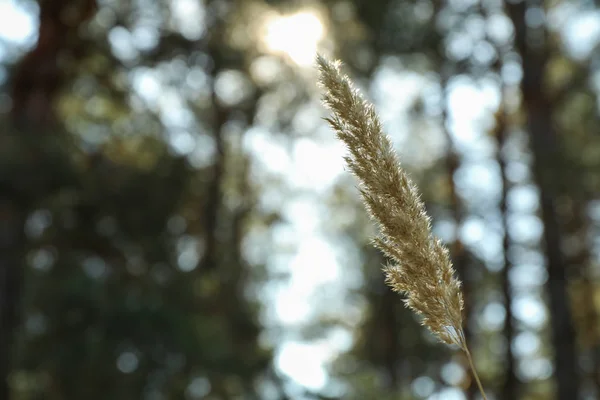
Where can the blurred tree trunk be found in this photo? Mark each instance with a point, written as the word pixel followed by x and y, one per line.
pixel 384 340
pixel 578 231
pixel 531 44
pixel 391 336
pixel 36 81
pixel 11 246
pixel 511 383
pixel 579 259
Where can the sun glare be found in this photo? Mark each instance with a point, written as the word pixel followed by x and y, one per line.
pixel 296 36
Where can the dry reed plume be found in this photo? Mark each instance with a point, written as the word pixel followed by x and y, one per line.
pixel 422 269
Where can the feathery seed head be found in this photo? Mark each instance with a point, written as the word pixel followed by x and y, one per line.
pixel 422 269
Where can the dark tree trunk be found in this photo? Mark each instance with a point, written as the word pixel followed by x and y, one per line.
pixel 580 260
pixel 11 243
pixel 578 229
pixel 35 84
pixel 392 337
pixel 511 383
pixel 530 43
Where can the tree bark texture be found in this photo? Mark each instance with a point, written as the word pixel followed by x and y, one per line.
pixel 543 139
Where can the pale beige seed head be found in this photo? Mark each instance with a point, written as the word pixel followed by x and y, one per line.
pixel 422 269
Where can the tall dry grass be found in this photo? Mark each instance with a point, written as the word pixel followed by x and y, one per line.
pixel 421 268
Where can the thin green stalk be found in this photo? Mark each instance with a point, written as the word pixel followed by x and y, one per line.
pixel 479 385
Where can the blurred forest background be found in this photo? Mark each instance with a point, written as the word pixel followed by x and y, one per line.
pixel 176 222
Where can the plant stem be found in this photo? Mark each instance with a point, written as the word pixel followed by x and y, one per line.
pixel 474 372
